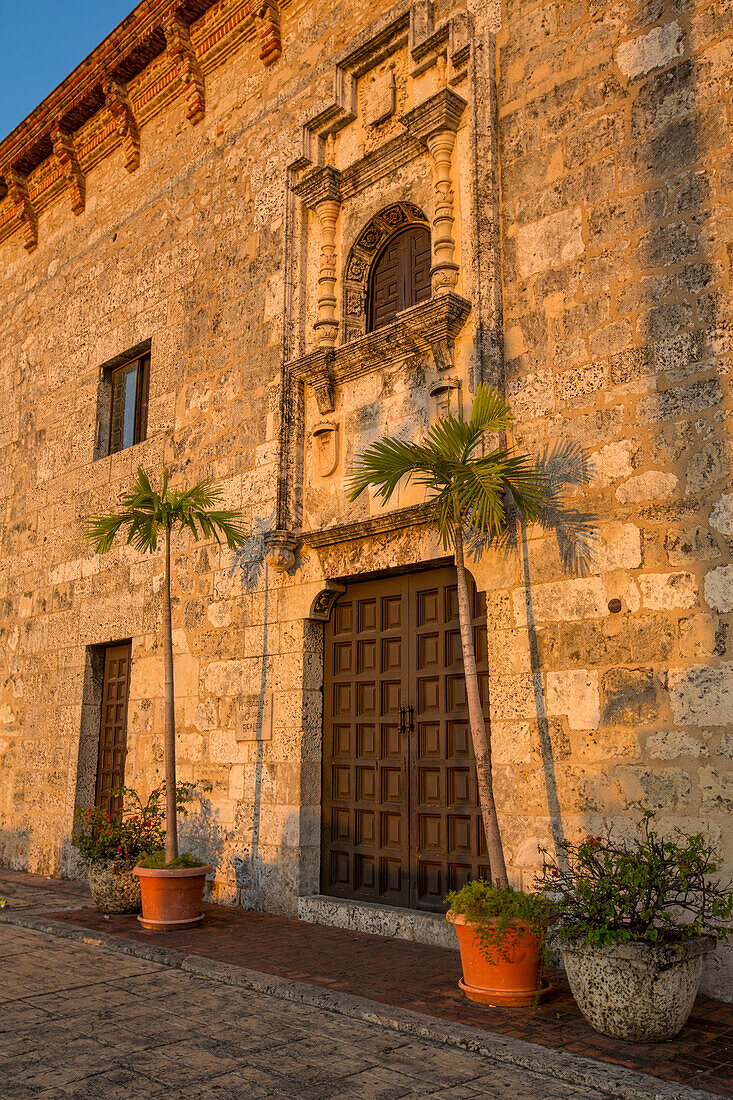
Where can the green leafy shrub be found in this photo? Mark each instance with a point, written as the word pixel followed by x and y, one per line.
pixel 156 860
pixel 137 829
pixel 652 890
pixel 494 910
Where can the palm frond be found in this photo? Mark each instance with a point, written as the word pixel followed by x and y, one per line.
pixel 385 462
pixel 489 411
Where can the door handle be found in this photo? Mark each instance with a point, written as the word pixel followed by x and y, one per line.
pixel 403 718
pixel 412 718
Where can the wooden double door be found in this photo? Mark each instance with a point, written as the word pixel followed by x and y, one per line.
pixel 401 824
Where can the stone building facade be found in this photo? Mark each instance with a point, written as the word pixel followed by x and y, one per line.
pixel 213 188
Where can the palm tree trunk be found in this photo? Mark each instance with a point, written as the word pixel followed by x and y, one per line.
pixel 479 736
pixel 169 716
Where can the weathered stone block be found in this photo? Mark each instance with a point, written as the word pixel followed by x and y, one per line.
pixel 574 693
pixel 631 696
pixel 658 47
pixel 701 695
pixel 549 242
pixel 668 590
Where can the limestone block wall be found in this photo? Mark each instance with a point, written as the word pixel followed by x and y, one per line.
pixel 617 185
pixel 593 178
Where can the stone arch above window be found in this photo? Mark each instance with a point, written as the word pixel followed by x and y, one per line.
pixel 367 249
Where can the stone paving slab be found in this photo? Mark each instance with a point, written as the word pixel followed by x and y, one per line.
pixel 118 1029
pixel 412 988
pixel 569 1069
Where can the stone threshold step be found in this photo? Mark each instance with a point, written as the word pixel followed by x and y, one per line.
pixel 378 920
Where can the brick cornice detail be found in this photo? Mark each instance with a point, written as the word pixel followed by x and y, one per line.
pixel 23 208
pixel 179 28
pixel 65 153
pixel 184 58
pixel 124 121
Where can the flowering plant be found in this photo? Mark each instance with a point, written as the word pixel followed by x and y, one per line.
pixel 652 890
pixel 136 829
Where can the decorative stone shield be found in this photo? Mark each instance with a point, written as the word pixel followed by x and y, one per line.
pixel 325 448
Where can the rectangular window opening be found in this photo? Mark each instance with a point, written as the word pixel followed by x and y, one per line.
pixel 123 401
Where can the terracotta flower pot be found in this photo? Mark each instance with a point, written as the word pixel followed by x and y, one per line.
pixel 502 977
pixel 171 898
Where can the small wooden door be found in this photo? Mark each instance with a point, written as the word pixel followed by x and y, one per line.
pixel 400 277
pixel 113 728
pixel 400 823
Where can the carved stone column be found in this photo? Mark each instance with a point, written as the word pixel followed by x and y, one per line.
pixel 65 152
pixel 120 108
pixel 327 325
pixel 435 123
pixel 321 192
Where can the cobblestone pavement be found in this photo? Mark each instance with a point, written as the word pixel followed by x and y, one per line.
pixel 79 1022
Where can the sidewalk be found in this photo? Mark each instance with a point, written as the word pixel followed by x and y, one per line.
pixel 396 983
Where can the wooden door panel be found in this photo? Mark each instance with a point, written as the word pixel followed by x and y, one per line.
pixel 365 834
pixel 400 817
pixel 113 726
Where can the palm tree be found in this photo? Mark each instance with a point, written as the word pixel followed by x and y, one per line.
pixel 144 514
pixel 475 498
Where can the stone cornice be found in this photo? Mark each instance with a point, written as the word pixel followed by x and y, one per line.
pixel 178 41
pixel 441 111
pixel 375 525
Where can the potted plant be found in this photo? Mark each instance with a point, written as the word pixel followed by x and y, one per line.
pixel 477 489
pixel 501 934
pixel 635 920
pixel 112 842
pixel 146 516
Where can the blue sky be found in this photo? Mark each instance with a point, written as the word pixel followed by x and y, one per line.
pixel 41 41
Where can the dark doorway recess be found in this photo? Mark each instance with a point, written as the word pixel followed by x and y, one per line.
pixel 113 726
pixel 400 824
pixel 400 277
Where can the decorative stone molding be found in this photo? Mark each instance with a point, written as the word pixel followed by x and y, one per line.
pixel 184 57
pixel 381 98
pixel 65 153
pixel 267 17
pixel 446 394
pixel 325 448
pixel 429 328
pixel 317 370
pixel 375 525
pixel 25 211
pixel 323 603
pixel 125 123
pixel 362 255
pixel 281 546
pixel 435 123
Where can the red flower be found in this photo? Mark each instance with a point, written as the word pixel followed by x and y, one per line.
pixel 119 847
pixel 555 871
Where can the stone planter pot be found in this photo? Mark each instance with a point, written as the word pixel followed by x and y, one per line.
pixel 639 992
pixel 114 888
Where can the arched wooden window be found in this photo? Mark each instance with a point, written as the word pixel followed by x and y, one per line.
pixel 400 276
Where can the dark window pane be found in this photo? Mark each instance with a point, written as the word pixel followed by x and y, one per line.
pixel 128 416
pixel 129 404
pixel 400 277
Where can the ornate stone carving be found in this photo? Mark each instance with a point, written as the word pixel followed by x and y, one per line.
pixel 24 209
pixel 327 325
pixel 281 546
pixel 429 328
pixel 446 395
pixel 323 603
pixel 267 17
pixel 380 99
pixel 316 369
pixel 120 109
pixel 435 123
pixel 362 254
pixel 189 70
pixel 325 448
pixel 65 152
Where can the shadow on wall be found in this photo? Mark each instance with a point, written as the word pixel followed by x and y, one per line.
pixel 14 848
pixel 200 833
